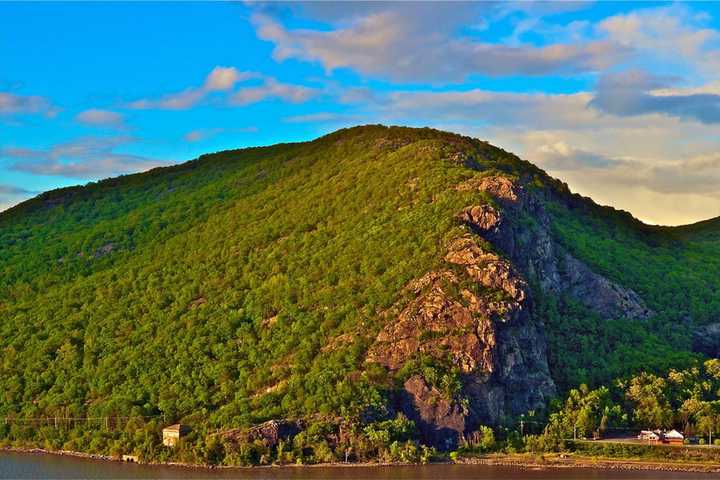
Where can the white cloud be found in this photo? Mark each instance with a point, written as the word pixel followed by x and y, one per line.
pixel 674 34
pixel 219 79
pixel 271 88
pixel 176 101
pixel 477 107
pixel 401 42
pixel 559 156
pixel 98 117
pixel 225 79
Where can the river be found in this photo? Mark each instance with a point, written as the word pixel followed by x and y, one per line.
pixel 36 466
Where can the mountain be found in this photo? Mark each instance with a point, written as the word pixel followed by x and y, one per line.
pixel 371 272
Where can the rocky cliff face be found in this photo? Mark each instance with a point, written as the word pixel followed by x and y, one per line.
pixel 477 314
pixel 521 229
pixel 706 339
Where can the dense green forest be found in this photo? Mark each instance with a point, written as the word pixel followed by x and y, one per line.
pixel 248 285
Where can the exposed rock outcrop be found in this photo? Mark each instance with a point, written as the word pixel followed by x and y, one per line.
pixel 484 216
pixel 438 418
pixel 479 316
pixel 522 231
pixel 436 324
pixel 486 332
pixel 706 339
pixel 104 250
pixel 269 433
pixel 487 268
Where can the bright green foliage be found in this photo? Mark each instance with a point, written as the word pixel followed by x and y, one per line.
pixel 587 413
pixel 481 440
pixel 226 279
pixel 238 287
pixel 651 406
pixel 247 285
pixel 675 270
pixel 687 400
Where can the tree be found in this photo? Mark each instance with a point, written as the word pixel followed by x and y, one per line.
pixel 647 395
pixel 588 412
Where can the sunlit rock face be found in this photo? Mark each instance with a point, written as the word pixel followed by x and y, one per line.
pixel 477 314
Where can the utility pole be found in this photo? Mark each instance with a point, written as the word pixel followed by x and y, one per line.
pixel 575 431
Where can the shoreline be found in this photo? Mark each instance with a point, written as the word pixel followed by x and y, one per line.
pixel 201 466
pixel 556 460
pixel 521 461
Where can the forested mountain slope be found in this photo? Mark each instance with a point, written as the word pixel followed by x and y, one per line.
pixel 370 272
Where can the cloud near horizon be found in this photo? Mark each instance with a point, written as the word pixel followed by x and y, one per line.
pixel 11 195
pixel 201 134
pixel 89 157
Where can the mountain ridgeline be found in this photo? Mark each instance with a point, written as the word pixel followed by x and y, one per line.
pixel 410 280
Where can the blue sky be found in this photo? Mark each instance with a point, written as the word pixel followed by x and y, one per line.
pixel 620 100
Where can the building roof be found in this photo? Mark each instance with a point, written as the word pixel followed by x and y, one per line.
pixel 178 427
pixel 674 434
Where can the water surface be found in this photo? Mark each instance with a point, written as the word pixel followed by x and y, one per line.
pixel 26 466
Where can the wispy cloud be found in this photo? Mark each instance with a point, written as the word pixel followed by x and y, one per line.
pixel 271 88
pixel 477 106
pixel 14 190
pixel 11 104
pixel 324 117
pixel 197 135
pixel 206 133
pixel 560 156
pixel 218 80
pixel 89 157
pixel 99 117
pixel 224 80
